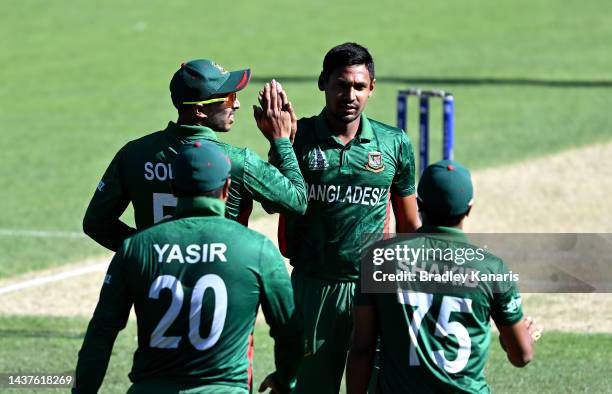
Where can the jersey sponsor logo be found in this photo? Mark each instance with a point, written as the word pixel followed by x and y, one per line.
pixel 160 171
pixel 317 160
pixel 101 185
pixel 375 162
pixel 190 254
pixel 364 195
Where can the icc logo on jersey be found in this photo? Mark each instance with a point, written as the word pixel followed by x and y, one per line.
pixel 375 162
pixel 317 160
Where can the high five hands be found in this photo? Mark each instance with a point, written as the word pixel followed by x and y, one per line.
pixel 275 116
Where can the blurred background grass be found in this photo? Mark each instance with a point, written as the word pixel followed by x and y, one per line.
pixel 80 79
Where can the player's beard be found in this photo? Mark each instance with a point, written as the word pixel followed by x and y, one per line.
pixel 221 121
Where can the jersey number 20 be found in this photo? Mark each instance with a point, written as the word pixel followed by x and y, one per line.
pixel 444 327
pixel 170 282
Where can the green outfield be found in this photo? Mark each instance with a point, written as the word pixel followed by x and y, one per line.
pixel 577 363
pixel 81 79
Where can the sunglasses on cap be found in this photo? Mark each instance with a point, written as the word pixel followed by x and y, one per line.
pixel 230 99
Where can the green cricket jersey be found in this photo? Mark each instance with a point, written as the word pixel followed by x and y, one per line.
pixel 348 194
pixel 141 171
pixel 195 281
pixel 438 342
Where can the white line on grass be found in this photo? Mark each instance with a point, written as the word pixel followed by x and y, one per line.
pixel 8 232
pixel 53 278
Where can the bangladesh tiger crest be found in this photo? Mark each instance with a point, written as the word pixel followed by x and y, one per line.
pixel 317 160
pixel 375 162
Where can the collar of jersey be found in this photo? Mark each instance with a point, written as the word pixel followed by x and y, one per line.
pixel 445 232
pixel 199 206
pixel 364 134
pixel 191 132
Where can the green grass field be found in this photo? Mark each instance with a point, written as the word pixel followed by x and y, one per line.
pixel 81 79
pixel 569 363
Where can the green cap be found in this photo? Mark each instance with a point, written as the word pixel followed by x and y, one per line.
pixel 200 166
pixel 446 187
pixel 198 80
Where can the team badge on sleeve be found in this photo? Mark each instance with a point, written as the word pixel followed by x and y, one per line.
pixel 375 162
pixel 513 305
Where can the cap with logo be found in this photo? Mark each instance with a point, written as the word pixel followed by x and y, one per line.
pixel 200 79
pixel 446 187
pixel 200 166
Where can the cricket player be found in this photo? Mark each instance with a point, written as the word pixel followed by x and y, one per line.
pixel 196 281
pixel 205 95
pixel 352 166
pixel 438 341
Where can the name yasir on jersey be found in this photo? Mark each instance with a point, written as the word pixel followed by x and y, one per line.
pixel 364 195
pixel 190 254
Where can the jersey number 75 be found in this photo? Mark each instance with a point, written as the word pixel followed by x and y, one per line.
pixel 444 328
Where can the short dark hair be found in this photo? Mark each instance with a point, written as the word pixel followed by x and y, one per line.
pixel 436 218
pixel 178 193
pixel 343 55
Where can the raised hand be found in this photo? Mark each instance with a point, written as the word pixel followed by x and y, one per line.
pixel 274 116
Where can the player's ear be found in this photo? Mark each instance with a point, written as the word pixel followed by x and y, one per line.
pixel 321 82
pixel 225 191
pixel 198 111
pixel 372 86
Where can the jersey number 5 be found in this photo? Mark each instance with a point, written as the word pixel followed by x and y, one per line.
pixel 171 283
pixel 444 327
pixel 161 200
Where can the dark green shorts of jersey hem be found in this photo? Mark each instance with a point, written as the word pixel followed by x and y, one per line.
pixel 324 309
